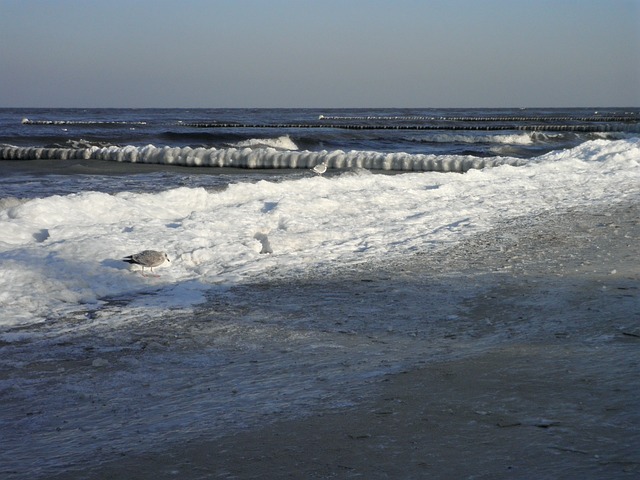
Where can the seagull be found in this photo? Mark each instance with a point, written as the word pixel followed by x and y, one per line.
pixel 320 168
pixel 147 258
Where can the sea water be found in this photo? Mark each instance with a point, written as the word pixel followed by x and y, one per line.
pixel 233 201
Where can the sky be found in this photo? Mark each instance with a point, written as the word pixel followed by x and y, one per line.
pixel 319 53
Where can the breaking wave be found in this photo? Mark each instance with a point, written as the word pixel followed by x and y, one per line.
pixel 281 143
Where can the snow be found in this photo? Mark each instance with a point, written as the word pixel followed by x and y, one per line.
pixel 63 254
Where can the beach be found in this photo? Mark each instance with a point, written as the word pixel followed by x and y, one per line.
pixel 535 378
pixel 421 323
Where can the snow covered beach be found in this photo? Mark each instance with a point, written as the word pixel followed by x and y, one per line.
pixel 368 276
pixel 521 353
pixel 67 248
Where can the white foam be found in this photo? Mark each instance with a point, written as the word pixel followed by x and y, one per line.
pixel 281 143
pixel 520 138
pixel 62 254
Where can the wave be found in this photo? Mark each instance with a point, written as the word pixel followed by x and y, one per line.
pixel 281 143
pixel 517 138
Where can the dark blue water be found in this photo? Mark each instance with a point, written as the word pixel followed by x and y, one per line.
pixel 521 132
pixel 289 140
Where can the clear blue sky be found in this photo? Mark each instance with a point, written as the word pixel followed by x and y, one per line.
pixel 319 53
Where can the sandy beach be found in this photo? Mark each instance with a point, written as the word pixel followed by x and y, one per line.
pixel 395 242
pixel 539 380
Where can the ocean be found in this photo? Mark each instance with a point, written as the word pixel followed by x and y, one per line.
pixel 257 314
pixel 390 140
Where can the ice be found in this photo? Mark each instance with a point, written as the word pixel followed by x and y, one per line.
pixel 256 155
pixel 61 255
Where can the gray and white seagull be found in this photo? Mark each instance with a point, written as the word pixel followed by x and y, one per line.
pixel 147 258
pixel 320 168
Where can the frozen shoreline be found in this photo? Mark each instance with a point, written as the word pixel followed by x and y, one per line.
pixel 530 300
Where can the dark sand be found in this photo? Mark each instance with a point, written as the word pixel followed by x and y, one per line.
pixel 557 398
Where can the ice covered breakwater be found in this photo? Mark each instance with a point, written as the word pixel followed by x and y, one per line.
pixel 543 119
pixel 604 127
pixel 483 118
pixel 544 124
pixel 261 158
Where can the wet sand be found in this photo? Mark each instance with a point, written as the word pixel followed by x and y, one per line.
pixel 556 395
pixel 528 412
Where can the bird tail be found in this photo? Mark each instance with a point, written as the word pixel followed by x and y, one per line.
pixel 128 259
